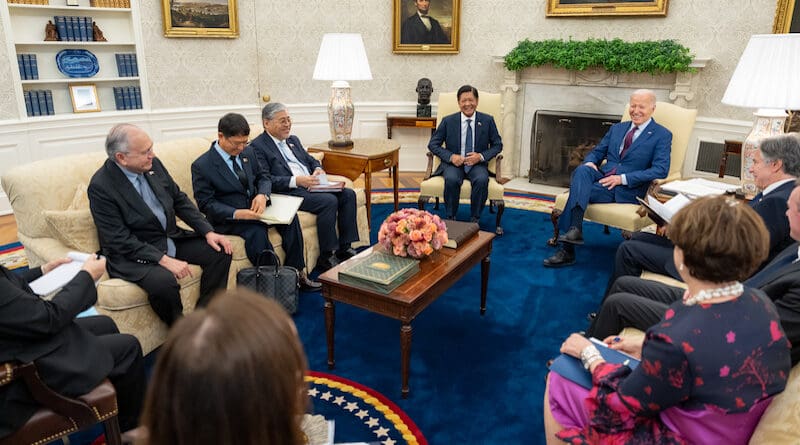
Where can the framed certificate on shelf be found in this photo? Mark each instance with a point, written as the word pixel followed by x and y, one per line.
pixel 84 98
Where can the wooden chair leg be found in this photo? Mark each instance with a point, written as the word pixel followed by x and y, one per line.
pixel 421 201
pixel 501 207
pixel 113 434
pixel 436 206
pixel 554 215
pixel 605 230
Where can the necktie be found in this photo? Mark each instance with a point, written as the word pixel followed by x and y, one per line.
pixel 770 269
pixel 155 206
pixel 292 160
pixel 239 173
pixel 468 144
pixel 626 144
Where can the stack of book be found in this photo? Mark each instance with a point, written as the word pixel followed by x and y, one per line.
pixel 459 232
pixel 74 28
pixel 378 271
pixel 28 68
pixel 126 65
pixel 39 102
pixel 128 98
pixel 110 3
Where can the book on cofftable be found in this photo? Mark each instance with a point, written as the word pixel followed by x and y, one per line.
pixel 281 209
pixel 459 232
pixel 378 271
pixel 572 369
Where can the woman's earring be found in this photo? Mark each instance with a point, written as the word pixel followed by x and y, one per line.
pixel 680 266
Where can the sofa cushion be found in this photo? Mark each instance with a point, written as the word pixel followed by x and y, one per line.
pixel 81 198
pixel 74 228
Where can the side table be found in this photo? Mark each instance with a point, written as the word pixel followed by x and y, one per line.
pixel 409 121
pixel 366 156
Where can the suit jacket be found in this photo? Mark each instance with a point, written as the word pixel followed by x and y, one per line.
pixel 217 189
pixel 414 32
pixel 271 159
pixel 131 237
pixel 69 358
pixel 487 138
pixel 645 160
pixel 772 209
pixel 782 286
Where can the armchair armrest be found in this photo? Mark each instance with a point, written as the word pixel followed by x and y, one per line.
pixel 429 168
pixel 498 169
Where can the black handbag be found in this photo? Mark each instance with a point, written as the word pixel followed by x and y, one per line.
pixel 281 283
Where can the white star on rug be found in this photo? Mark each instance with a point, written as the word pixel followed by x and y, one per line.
pixel 389 441
pixel 361 414
pixel 326 395
pixel 351 406
pixel 380 432
pixel 339 400
pixel 371 422
pixel 313 392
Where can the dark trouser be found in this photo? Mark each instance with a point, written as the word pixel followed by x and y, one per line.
pixel 256 240
pixel 644 251
pixel 333 210
pixel 479 181
pixel 127 375
pixel 633 302
pixel 163 289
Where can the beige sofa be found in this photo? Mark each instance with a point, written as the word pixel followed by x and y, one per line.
pixel 51 208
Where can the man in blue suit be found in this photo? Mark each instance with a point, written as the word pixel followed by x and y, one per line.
pixel 636 153
pixel 233 190
pixel 470 141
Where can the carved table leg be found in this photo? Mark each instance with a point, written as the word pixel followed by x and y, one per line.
pixel 405 356
pixel 554 215
pixel 330 321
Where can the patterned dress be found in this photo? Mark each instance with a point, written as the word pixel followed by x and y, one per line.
pixel 708 372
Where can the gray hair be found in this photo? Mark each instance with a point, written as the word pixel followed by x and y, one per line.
pixel 784 148
pixel 271 109
pixel 645 92
pixel 117 139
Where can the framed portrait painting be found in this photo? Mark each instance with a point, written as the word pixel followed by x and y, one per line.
pixel 200 18
pixel 426 26
pixel 84 98
pixel 571 8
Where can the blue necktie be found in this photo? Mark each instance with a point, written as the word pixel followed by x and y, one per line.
pixel 769 270
pixel 290 157
pixel 155 206
pixel 468 144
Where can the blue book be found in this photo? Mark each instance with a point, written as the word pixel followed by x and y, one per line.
pixel 126 65
pixel 48 100
pixel 34 103
pixel 42 102
pixel 28 106
pixel 81 22
pixel 21 63
pixel 87 23
pixel 126 98
pixel 71 28
pixel 137 97
pixel 120 69
pixel 61 26
pixel 26 64
pixel 118 100
pixel 33 66
pixel 572 369
pixel 134 66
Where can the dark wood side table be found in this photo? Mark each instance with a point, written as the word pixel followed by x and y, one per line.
pixel 366 156
pixel 409 121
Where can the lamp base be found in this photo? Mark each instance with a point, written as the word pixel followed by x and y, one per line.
pixel 767 123
pixel 340 145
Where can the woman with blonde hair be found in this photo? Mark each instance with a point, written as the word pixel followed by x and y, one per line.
pixel 232 372
pixel 708 369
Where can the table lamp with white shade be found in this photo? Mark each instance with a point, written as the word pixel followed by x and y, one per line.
pixel 341 58
pixel 766 78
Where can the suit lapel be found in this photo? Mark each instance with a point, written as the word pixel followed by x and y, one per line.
pixel 220 165
pixel 247 166
pixel 646 134
pixel 127 190
pixel 276 153
pixel 298 153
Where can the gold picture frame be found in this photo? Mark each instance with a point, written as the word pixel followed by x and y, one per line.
pixel 409 36
pixel 572 8
pixel 787 17
pixel 181 19
pixel 84 98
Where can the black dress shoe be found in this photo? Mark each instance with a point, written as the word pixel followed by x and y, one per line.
pixel 326 262
pixel 345 254
pixel 309 285
pixel 560 259
pixel 573 236
pixel 591 316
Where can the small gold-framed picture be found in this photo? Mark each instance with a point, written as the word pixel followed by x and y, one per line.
pixel 572 8
pixel 426 27
pixel 84 98
pixel 200 18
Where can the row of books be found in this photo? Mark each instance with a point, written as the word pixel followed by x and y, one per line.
pixel 110 3
pixel 127 65
pixel 128 98
pixel 73 28
pixel 39 103
pixel 28 67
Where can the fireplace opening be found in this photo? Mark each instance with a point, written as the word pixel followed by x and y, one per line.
pixel 560 140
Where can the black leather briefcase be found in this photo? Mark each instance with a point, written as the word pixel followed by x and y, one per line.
pixel 281 283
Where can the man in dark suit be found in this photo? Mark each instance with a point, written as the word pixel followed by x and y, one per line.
pixel 422 29
pixel 635 153
pixel 465 142
pixel 134 203
pixel 775 167
pixel 635 302
pixel 233 190
pixel 72 356
pixel 293 171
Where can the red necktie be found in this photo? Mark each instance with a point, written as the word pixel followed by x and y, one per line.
pixel 626 144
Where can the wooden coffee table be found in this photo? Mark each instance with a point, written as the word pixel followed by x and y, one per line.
pixel 437 274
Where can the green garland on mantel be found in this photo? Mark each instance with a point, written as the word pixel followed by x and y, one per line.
pixel 616 56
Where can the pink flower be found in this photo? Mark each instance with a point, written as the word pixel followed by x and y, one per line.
pixel 412 232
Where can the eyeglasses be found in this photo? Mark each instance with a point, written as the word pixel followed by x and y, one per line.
pixel 238 142
pixel 147 152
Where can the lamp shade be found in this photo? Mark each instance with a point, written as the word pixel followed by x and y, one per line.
pixel 342 57
pixel 767 74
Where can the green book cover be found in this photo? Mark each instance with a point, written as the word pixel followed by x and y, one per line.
pixel 377 287
pixel 379 267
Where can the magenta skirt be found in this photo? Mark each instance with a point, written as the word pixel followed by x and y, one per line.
pixel 696 426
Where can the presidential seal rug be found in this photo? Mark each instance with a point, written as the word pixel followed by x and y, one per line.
pixel 12 256
pixel 514 200
pixel 360 414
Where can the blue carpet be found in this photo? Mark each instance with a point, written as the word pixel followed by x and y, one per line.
pixel 474 380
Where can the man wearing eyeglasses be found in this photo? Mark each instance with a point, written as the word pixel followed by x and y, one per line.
pixel 134 203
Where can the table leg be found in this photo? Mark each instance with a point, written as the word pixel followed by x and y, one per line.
pixel 368 192
pixel 396 186
pixel 405 356
pixel 330 321
pixel 485 263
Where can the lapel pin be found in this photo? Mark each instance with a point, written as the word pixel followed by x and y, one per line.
pixel 479 124
pixel 244 160
pixel 151 173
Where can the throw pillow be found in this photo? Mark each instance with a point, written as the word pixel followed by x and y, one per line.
pixel 74 228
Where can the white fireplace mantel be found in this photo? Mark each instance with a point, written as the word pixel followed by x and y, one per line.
pixel 593 91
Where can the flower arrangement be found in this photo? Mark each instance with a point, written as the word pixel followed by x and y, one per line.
pixel 412 232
